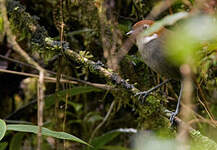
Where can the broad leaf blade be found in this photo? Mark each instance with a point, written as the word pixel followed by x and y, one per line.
pixel 45 131
pixel 2 128
pixel 50 100
pixel 100 141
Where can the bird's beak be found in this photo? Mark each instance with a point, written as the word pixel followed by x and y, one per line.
pixel 130 32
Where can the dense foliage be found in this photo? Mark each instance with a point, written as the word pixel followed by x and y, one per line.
pixel 78 41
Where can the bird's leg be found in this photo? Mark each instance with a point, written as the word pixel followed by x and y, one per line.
pixel 144 94
pixel 173 115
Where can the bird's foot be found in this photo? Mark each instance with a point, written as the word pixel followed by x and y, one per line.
pixel 172 117
pixel 142 95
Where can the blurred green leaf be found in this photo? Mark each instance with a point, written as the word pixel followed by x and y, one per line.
pixel 168 20
pixel 16 141
pixel 125 26
pixel 45 131
pixel 76 106
pixel 147 140
pixel 92 117
pixel 200 142
pixel 187 40
pixel 2 129
pixel 78 121
pixel 3 145
pixel 50 100
pixel 100 141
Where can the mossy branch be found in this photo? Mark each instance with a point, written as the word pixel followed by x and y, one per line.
pixel 40 41
pixel 21 21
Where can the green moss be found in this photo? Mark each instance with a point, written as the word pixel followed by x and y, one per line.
pixel 27 30
pixel 150 114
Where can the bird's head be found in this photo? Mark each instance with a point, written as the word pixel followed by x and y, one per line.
pixel 140 27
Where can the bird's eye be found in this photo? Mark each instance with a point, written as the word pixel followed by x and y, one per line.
pixel 145 26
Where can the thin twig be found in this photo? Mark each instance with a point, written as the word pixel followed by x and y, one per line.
pixel 48 79
pixel 16 61
pixel 203 102
pixel 40 100
pixel 104 120
pixel 213 124
pixel 97 85
pixel 53 80
pixel 16 47
pixel 201 120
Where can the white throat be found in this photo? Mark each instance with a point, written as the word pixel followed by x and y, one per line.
pixel 147 39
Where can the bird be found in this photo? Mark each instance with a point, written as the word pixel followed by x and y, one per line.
pixel 154 54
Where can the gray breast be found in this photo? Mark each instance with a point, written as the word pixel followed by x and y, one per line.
pixel 154 56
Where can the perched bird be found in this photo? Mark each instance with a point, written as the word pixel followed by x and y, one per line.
pixel 154 53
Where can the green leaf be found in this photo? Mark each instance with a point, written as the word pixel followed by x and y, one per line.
pixel 50 100
pixel 92 117
pixel 101 141
pixel 168 20
pixel 2 128
pixel 3 145
pixel 45 131
pixel 76 106
pixel 190 38
pixel 16 142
